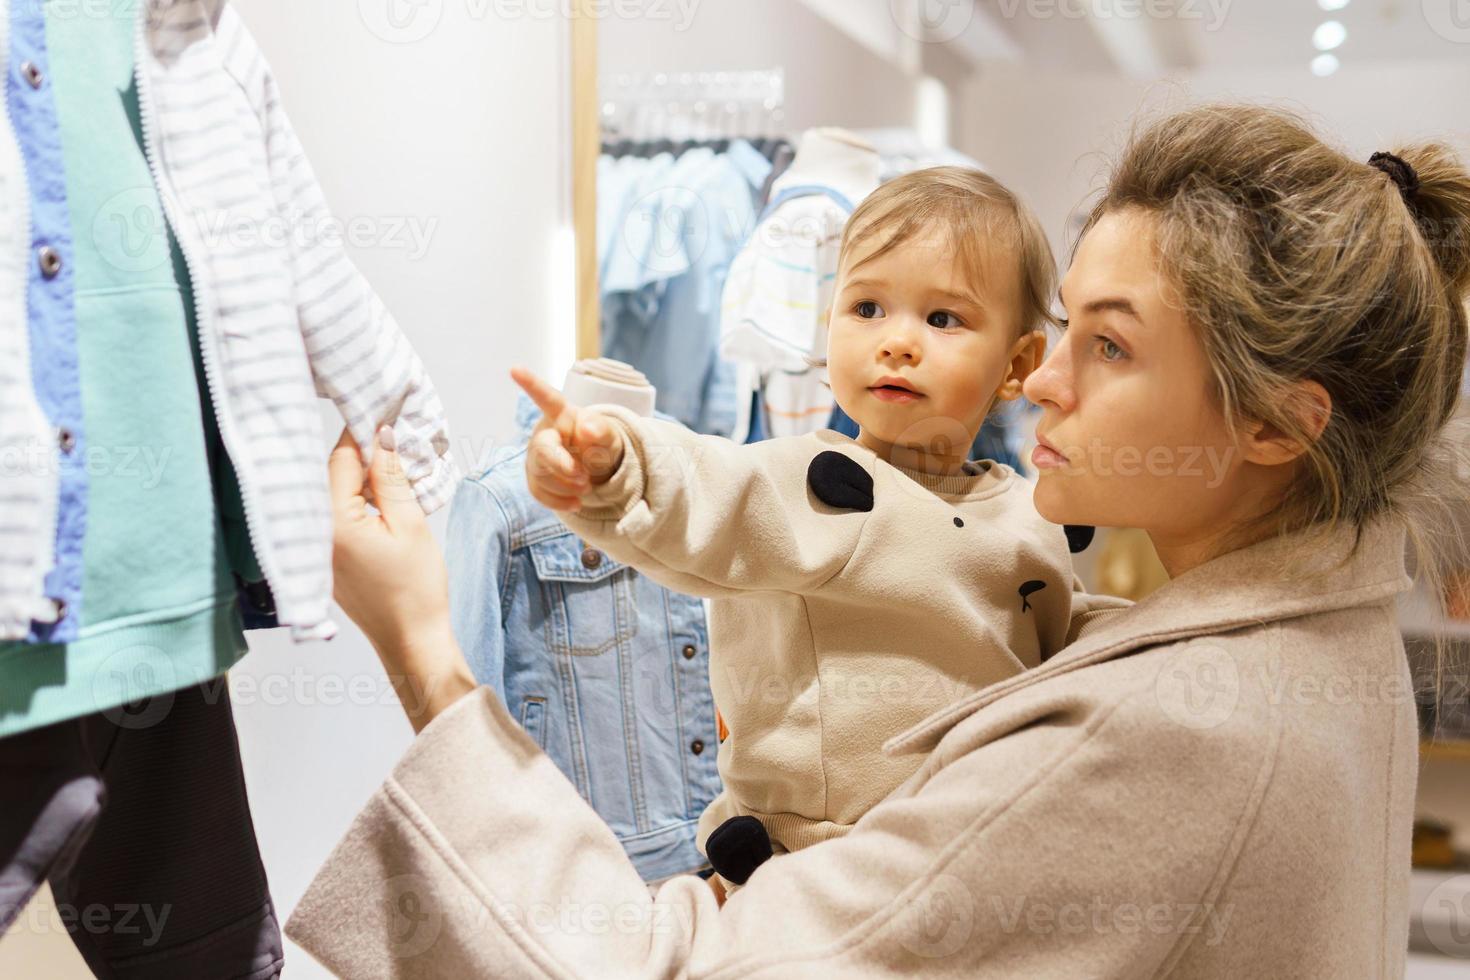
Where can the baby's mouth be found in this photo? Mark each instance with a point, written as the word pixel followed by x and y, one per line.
pixel 894 393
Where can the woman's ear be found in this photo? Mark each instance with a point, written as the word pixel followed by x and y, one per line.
pixel 1310 404
pixel 1026 356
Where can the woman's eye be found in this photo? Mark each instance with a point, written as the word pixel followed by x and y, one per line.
pixel 943 320
pixel 868 310
pixel 1109 350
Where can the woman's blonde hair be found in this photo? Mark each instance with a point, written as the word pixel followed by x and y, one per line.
pixel 978 217
pixel 1296 262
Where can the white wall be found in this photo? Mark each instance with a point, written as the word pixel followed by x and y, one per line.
pixel 831 79
pixel 460 130
pixel 1049 135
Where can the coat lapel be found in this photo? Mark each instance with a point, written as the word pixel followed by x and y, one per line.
pixel 1274 580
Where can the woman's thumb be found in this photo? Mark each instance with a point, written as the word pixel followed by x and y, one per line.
pixel 392 494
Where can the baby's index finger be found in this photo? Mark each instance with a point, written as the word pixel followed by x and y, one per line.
pixel 547 398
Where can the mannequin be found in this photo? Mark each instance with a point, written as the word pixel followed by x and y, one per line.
pixel 836 158
pixel 605 381
pixel 827 159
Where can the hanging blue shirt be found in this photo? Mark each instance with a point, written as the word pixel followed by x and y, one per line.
pixel 664 271
pixel 51 305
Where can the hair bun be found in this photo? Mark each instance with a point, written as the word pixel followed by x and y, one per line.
pixel 1399 171
pixel 1441 209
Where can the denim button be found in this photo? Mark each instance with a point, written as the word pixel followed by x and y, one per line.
pixel 591 558
pixel 67 440
pixel 697 746
pixel 31 73
pixel 689 652
pixel 50 260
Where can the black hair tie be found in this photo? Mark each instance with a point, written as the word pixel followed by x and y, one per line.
pixel 1399 172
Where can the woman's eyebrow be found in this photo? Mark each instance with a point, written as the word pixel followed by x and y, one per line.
pixel 1115 304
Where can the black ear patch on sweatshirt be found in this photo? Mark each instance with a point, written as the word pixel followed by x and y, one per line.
pixel 1079 536
pixel 840 482
pixel 1029 589
pixel 737 847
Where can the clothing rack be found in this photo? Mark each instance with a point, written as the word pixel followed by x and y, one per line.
pixel 767 145
pixel 693 106
pixel 645 114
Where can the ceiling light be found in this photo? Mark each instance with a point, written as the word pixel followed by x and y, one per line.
pixel 1324 65
pixel 1329 34
pixel 1330 5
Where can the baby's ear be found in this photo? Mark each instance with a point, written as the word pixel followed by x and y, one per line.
pixel 1027 353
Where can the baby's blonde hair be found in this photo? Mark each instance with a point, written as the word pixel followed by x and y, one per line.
pixel 977 214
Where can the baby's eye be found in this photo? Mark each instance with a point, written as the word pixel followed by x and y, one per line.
pixel 943 319
pixel 868 310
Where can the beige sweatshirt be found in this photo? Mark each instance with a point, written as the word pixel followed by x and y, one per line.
pixel 833 627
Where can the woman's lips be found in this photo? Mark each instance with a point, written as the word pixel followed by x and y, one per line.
pixel 1045 457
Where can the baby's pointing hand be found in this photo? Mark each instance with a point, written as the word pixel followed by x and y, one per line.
pixel 571 450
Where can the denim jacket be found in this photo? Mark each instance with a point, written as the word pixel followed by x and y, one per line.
pixel 604 668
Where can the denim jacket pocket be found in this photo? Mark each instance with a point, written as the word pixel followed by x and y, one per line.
pixel 590 595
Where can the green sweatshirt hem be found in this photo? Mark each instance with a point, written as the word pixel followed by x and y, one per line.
pixel 115 663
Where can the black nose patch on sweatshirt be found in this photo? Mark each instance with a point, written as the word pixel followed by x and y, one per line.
pixel 737 847
pixel 839 481
pixel 1079 536
pixel 1029 589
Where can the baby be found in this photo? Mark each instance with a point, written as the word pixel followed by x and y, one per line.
pixel 860 585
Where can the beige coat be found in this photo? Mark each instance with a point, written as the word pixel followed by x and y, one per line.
pixel 1216 783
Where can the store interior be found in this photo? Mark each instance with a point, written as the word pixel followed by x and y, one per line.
pixel 523 147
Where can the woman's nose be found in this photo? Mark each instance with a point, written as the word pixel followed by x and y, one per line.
pixel 1051 383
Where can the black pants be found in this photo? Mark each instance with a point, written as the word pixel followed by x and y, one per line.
pixel 138 818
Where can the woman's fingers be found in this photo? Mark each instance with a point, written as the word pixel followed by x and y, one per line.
pixel 392 494
pixel 345 475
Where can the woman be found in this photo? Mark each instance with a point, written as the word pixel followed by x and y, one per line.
pixel 1265 344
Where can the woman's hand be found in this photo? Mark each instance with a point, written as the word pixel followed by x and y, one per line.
pixel 389 577
pixel 571 450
